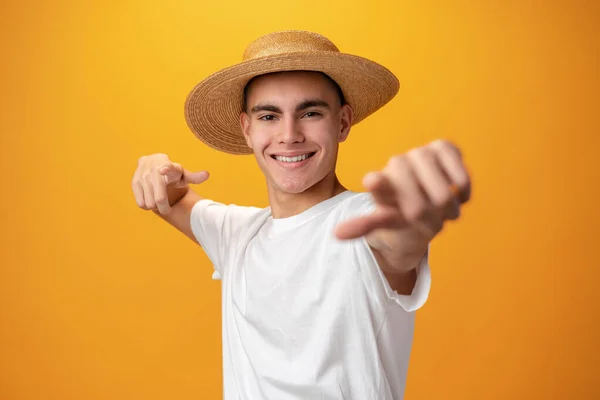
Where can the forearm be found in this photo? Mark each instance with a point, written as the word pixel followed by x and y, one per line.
pixel 182 201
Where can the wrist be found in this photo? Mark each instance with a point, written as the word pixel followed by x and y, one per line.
pixel 396 246
pixel 175 194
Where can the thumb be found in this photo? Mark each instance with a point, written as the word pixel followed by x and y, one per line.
pixel 195 177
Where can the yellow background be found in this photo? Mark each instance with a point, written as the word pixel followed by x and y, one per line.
pixel 101 300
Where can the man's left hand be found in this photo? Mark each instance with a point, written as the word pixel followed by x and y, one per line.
pixel 414 195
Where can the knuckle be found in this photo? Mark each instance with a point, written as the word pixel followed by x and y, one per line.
pixel 160 159
pixel 445 145
pixel 164 163
pixel 412 153
pixel 420 153
pixel 440 143
pixel 153 158
pixel 397 161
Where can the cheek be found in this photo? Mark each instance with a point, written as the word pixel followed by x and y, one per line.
pixel 326 138
pixel 324 132
pixel 260 137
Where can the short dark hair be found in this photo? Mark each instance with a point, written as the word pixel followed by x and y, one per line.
pixel 327 77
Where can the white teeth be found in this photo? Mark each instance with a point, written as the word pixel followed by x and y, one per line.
pixel 292 159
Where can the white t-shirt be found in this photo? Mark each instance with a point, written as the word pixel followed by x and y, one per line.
pixel 305 315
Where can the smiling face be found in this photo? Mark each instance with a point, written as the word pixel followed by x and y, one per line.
pixel 294 122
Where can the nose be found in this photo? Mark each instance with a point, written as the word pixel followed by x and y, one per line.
pixel 290 132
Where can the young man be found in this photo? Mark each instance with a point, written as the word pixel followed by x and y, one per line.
pixel 320 288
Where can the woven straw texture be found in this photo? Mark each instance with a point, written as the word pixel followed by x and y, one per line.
pixel 213 107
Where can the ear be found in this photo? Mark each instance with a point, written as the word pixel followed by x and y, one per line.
pixel 245 124
pixel 346 118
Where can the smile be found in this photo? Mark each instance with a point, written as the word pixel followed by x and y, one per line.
pixel 294 159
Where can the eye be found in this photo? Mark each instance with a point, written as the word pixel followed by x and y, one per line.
pixel 267 117
pixel 312 114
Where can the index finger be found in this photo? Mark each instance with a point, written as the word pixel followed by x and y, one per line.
pixel 172 172
pixel 381 218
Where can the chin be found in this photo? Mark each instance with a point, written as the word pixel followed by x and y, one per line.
pixel 293 180
pixel 293 187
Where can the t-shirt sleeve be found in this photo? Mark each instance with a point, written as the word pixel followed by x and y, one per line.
pixel 420 293
pixel 216 227
pixel 376 282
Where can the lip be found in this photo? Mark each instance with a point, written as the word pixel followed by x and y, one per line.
pixel 291 154
pixel 292 165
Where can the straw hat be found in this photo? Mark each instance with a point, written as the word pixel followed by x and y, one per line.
pixel 213 107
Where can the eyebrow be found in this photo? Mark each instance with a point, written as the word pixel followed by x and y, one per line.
pixel 302 106
pixel 312 103
pixel 265 107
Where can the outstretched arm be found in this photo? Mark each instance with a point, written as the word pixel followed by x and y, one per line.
pixel 162 186
pixel 415 194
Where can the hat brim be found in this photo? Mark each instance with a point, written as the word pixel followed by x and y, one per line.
pixel 213 107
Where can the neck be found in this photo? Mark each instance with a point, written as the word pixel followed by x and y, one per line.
pixel 285 205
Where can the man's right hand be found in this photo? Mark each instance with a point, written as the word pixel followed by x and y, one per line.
pixel 158 183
